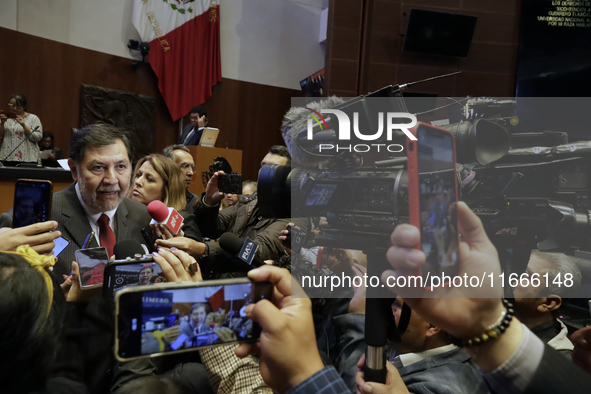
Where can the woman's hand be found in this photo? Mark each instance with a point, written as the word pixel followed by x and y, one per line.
pixel 177 266
pixel 72 289
pixel 20 120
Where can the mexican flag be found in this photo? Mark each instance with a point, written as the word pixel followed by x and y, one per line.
pixel 184 38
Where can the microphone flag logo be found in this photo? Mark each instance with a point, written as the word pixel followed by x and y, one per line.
pixel 247 253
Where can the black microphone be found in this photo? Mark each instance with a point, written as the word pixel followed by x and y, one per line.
pixel 233 245
pixel 127 248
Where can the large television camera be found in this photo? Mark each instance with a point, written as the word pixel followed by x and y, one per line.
pixel 543 192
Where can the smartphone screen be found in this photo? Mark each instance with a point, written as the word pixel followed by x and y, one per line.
pixel 320 194
pixel 437 198
pixel 230 183
pixel 60 245
pixel 92 264
pixel 32 202
pixel 120 275
pixel 185 317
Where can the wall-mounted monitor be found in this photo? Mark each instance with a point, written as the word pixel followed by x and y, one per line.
pixel 439 33
pixel 313 86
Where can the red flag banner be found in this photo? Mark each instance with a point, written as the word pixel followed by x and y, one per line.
pixel 217 300
pixel 184 38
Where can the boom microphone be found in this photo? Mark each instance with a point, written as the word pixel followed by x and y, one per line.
pixel 162 214
pixel 296 120
pixel 233 245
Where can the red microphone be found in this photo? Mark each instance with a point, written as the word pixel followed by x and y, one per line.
pixel 162 214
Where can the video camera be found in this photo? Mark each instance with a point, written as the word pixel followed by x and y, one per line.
pixel 360 202
pixel 547 196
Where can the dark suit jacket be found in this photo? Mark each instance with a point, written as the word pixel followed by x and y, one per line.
pixel 235 219
pixel 191 201
pixel 187 329
pixel 96 314
pixel 66 209
pixel 194 139
pixel 556 374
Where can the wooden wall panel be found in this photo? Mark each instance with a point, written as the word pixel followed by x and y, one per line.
pixel 489 69
pixel 249 117
pixel 344 40
pixel 51 74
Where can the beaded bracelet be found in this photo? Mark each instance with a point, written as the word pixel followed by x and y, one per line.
pixel 493 331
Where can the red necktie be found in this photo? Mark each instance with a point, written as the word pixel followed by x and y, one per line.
pixel 106 236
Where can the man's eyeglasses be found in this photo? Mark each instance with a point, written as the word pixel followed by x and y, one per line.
pixel 184 166
pixel 14 106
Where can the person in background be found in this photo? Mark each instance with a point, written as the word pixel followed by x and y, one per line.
pixel 191 134
pixel 538 306
pixel 228 200
pixel 182 156
pixel 21 134
pixel 158 178
pixel 47 143
pixel 248 188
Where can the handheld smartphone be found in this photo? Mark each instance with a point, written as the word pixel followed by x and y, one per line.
pixel 9 114
pixel 230 183
pixel 121 274
pixel 433 195
pixel 32 202
pixel 92 263
pixel 183 317
pixel 60 245
pixel 295 239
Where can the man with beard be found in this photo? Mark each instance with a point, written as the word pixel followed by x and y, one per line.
pixel 100 161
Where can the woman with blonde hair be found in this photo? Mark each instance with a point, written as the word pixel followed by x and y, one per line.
pixel 157 177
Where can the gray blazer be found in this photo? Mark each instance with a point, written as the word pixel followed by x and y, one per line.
pixel 452 372
pixel 66 209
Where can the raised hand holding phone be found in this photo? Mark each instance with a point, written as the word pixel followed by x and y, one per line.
pixel 39 236
pixel 212 193
pixel 32 202
pixel 464 312
pixel 432 195
pixel 288 350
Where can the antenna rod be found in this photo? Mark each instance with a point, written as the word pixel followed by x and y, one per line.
pixel 405 85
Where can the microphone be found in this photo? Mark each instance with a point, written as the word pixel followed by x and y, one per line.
pixel 296 120
pixel 162 214
pixel 128 248
pixel 237 248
